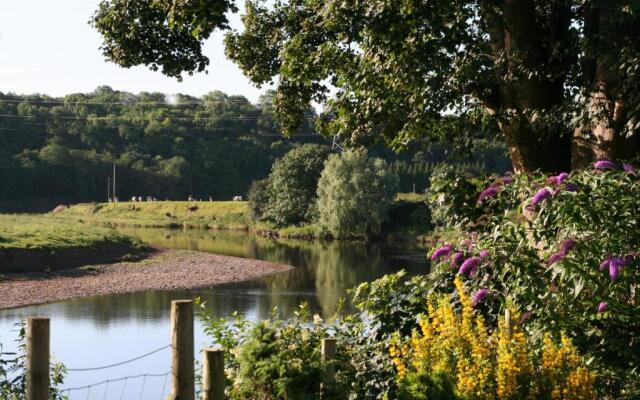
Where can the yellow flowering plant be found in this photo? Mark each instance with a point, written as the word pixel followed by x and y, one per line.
pixel 453 355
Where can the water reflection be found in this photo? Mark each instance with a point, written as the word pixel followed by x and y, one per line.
pixel 116 327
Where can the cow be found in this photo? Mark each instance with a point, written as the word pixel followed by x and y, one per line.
pixel 237 198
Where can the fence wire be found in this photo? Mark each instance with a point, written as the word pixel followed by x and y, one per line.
pixel 126 379
pixel 119 363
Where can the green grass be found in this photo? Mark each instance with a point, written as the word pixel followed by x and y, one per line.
pixel 46 232
pixel 216 214
pixel 411 197
pixel 302 232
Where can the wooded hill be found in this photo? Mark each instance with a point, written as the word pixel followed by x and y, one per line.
pixel 62 150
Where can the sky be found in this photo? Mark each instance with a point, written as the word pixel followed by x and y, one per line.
pixel 48 47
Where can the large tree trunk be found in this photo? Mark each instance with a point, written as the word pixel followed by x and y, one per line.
pixel 603 138
pixel 602 135
pixel 516 39
pixel 530 152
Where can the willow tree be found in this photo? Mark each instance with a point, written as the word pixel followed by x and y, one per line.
pixel 560 78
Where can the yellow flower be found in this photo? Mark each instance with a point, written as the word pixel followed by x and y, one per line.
pixel 500 365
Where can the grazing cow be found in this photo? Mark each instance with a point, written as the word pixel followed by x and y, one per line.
pixel 190 198
pixel 237 198
pixel 133 199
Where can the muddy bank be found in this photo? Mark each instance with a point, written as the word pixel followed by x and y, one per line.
pixel 163 270
pixel 35 260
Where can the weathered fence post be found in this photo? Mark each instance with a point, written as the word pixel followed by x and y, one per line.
pixel 38 358
pixel 182 374
pixel 328 351
pixel 508 324
pixel 213 380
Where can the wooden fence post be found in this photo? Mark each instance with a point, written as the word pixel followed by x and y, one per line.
pixel 507 322
pixel 213 379
pixel 328 352
pixel 182 360
pixel 37 358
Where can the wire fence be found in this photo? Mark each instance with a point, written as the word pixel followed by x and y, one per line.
pixel 94 390
pixel 124 379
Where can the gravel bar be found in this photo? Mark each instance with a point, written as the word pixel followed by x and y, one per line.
pixel 163 270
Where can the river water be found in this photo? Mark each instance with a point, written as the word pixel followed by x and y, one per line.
pixel 103 330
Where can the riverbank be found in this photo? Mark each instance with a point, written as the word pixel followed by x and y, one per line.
pixel 163 270
pixel 31 243
pixel 409 218
pixel 158 214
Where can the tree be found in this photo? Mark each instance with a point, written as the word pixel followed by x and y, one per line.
pixel 559 78
pixel 258 198
pixel 292 185
pixel 354 194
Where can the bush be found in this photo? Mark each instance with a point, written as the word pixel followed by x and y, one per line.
pixel 354 194
pixel 258 199
pixel 563 249
pixel 452 197
pixel 454 355
pixel 292 186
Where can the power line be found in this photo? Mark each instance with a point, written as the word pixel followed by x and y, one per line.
pixel 130 102
pixel 160 117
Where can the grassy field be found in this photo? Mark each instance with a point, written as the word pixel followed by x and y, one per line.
pixel 216 214
pixel 45 232
pixel 35 243
pixel 409 217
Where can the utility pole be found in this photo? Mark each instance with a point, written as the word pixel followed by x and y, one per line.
pixel 109 190
pixel 114 182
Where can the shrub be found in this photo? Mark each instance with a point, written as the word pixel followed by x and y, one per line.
pixel 13 378
pixel 354 194
pixel 565 250
pixel 452 197
pixel 454 355
pixel 258 199
pixel 279 359
pixel 292 185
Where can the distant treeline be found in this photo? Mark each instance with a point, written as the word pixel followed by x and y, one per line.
pixel 62 150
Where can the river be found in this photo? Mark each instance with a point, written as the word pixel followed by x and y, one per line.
pixel 103 330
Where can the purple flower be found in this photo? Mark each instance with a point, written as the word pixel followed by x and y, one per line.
pixel 604 164
pixel 456 259
pixel 628 258
pixel 570 187
pixel 615 265
pixel 567 245
pixel 507 179
pixel 556 257
pixel 525 317
pixel 602 307
pixel 479 296
pixel 605 264
pixel 442 251
pixel 541 195
pixel 552 180
pixel 490 192
pixel 468 265
pixel 484 253
pixel 563 176
pixel 629 169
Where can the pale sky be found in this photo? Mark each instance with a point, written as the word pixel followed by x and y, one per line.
pixel 47 46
